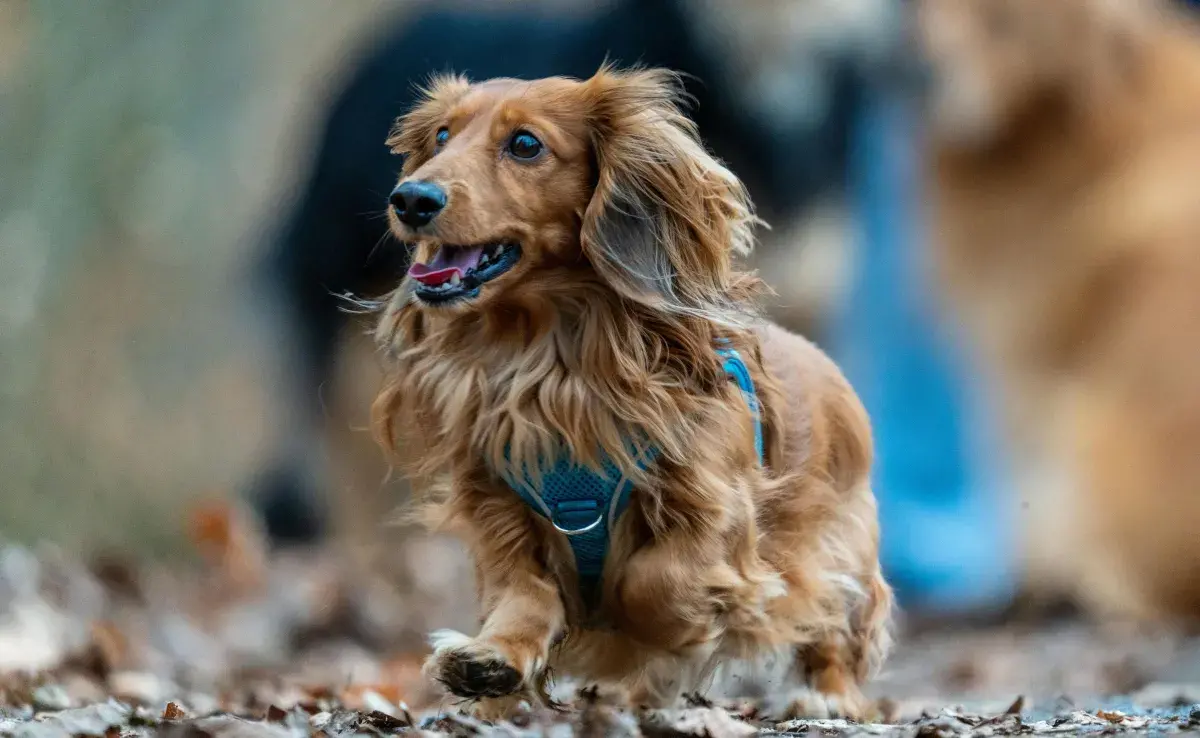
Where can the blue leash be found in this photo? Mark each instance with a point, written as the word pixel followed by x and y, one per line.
pixel 584 505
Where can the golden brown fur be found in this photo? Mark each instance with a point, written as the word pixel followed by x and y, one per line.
pixel 1065 147
pixel 606 326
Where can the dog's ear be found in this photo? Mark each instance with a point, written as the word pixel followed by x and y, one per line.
pixel 666 217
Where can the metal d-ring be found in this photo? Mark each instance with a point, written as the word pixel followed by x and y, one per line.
pixel 578 531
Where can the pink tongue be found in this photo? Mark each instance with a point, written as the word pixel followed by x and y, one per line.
pixel 448 261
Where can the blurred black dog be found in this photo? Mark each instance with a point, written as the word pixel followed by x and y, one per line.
pixel 333 241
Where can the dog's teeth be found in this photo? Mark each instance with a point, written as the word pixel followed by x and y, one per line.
pixel 454 279
pixel 483 260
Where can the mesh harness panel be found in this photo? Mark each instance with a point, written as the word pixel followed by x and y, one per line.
pixel 584 504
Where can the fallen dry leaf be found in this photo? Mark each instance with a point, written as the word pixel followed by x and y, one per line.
pixel 278 659
pixel 225 534
pixel 700 722
pixel 1114 716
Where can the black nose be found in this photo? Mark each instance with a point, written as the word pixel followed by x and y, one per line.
pixel 417 202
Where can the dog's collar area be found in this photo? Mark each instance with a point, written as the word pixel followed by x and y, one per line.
pixel 458 272
pixel 585 505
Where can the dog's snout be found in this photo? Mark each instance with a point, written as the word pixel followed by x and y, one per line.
pixel 417 202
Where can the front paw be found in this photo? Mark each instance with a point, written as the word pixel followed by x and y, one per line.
pixel 469 668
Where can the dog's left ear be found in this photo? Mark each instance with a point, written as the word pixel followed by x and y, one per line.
pixel 666 217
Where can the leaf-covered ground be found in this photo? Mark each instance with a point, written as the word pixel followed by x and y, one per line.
pixel 256 645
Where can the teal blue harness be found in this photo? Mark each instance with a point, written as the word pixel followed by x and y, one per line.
pixel 584 505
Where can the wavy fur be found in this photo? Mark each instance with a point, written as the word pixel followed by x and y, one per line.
pixel 603 332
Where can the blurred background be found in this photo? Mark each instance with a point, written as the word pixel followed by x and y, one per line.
pixel 188 187
pixel 147 148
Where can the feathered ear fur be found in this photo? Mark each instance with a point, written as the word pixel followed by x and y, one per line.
pixel 666 217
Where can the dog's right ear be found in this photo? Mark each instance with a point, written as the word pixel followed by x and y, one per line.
pixel 666 217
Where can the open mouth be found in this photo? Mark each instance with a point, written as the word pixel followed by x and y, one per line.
pixel 458 272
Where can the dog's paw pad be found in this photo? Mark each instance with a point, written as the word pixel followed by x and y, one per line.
pixel 472 675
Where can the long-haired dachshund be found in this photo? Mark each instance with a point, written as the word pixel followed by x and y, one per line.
pixel 651 480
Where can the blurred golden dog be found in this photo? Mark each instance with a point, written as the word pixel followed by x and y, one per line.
pixel 573 276
pixel 1065 143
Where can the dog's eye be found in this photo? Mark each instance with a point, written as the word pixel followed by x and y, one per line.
pixel 524 145
pixel 442 136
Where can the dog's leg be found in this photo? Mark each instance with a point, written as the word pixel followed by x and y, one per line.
pixel 685 589
pixel 523 615
pixel 830 688
pixel 833 669
pixel 662 680
pixel 509 654
pixel 669 600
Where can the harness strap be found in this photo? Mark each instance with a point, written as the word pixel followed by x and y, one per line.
pixel 737 370
pixel 584 505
